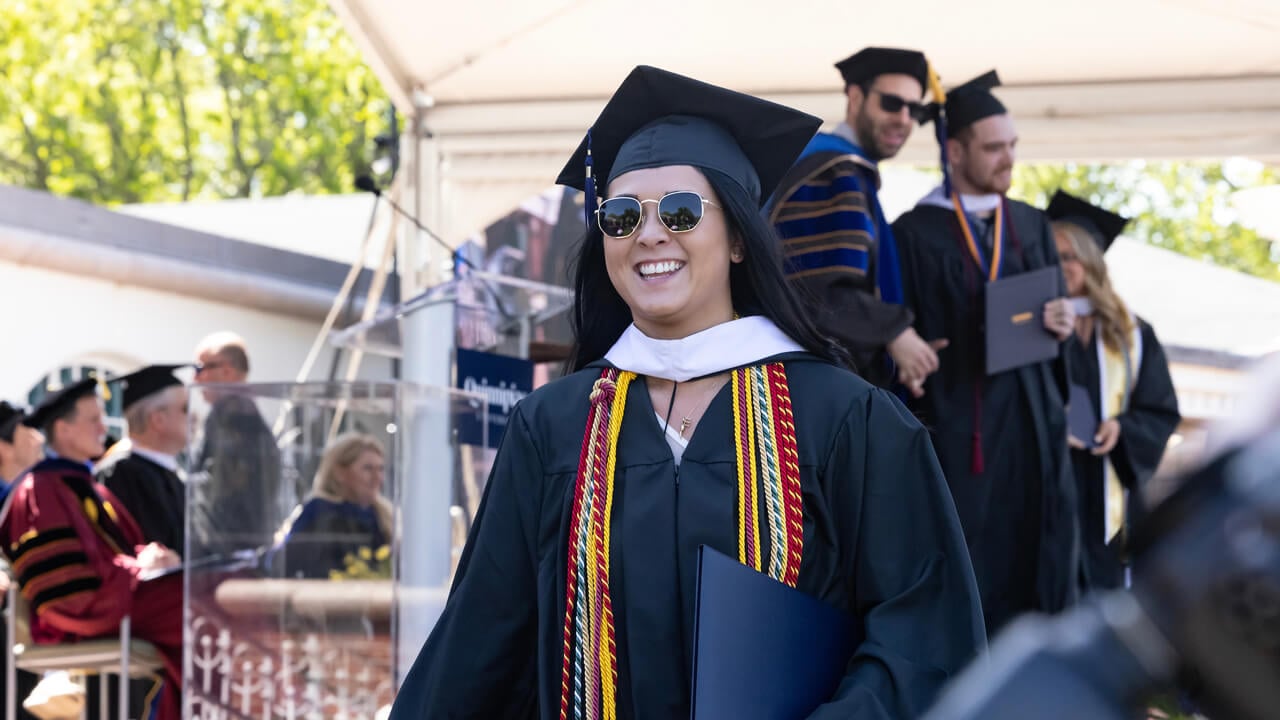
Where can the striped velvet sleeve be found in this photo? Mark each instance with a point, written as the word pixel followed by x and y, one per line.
pixel 51 567
pixel 70 576
pixel 826 222
pixel 826 225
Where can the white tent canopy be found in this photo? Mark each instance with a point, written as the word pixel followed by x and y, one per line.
pixel 503 91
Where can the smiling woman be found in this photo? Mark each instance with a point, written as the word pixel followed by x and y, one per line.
pixel 675 283
pixel 575 594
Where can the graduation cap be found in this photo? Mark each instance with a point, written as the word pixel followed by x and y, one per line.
pixel 972 101
pixel 145 382
pixel 1103 225
pixel 658 118
pixel 867 64
pixel 60 403
pixel 10 417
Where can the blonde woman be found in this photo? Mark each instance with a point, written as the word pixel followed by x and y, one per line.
pixel 1119 373
pixel 344 513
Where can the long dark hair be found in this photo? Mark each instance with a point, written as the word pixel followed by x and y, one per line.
pixel 757 284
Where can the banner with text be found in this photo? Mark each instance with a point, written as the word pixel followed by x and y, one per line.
pixel 503 380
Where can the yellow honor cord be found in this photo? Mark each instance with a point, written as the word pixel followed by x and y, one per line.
pixel 752 486
pixel 737 444
pixel 607 651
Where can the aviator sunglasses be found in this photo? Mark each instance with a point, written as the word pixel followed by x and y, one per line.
pixel 679 211
pixel 893 105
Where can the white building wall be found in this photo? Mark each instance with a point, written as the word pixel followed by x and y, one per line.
pixel 52 319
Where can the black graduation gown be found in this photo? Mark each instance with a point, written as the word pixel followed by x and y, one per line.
pixel 1018 514
pixel 1146 423
pixel 881 539
pixel 154 495
pixel 236 483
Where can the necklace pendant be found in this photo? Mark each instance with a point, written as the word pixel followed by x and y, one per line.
pixel 684 425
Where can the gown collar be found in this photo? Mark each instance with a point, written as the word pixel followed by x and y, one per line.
pixel 972 203
pixel 721 347
pixel 168 462
pixel 843 130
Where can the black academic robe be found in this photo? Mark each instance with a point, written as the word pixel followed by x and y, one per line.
pixel 881 540
pixel 236 484
pixel 1018 511
pixel 1146 423
pixel 154 495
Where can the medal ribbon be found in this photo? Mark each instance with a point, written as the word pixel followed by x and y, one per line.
pixel 992 271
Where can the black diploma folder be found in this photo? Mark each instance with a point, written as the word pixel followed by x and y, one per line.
pixel 762 649
pixel 1082 419
pixel 1016 335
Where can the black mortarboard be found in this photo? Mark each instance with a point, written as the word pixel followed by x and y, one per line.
pixel 657 118
pixel 1103 225
pixel 867 64
pixel 10 417
pixel 972 101
pixel 60 403
pixel 145 381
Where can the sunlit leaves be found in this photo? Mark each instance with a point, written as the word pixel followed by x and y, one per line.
pixel 1182 206
pixel 152 100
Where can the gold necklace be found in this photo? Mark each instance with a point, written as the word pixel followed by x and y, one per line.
pixel 687 420
pixel 684 424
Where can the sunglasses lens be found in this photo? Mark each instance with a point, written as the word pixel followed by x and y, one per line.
pixel 618 217
pixel 891 103
pixel 680 211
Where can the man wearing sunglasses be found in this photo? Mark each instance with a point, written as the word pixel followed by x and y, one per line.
pixel 238 494
pixel 838 245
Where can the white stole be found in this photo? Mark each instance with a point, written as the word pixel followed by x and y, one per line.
pixel 1117 375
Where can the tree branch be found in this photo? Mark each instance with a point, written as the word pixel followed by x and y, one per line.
pixel 17 166
pixel 180 93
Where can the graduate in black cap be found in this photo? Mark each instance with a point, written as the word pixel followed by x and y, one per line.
pixel 78 554
pixel 1120 367
pixel 1001 438
pixel 839 247
pixel 574 596
pixel 145 476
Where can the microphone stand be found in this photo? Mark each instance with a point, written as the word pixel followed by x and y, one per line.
pixel 366 183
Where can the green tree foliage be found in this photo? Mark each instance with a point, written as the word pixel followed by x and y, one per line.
pixel 119 101
pixel 1182 206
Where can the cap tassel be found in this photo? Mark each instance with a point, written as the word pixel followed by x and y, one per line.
pixel 589 189
pixel 940 126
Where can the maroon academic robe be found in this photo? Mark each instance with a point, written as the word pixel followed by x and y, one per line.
pixel 72 546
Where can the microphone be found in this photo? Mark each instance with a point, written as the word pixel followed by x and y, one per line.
pixel 365 183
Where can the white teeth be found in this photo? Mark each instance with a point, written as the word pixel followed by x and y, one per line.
pixel 660 268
